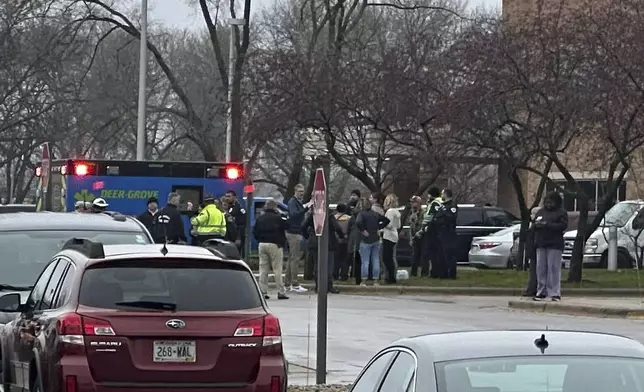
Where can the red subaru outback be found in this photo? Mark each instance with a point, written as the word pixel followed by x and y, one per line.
pixel 137 318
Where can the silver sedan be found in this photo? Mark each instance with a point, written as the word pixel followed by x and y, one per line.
pixel 500 361
pixel 493 251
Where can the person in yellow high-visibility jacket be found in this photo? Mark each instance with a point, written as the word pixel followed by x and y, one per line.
pixel 209 223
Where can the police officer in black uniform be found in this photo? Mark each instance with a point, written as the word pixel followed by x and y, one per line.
pixel 445 223
pixel 429 236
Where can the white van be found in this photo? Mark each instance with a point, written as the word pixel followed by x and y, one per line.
pixel 596 249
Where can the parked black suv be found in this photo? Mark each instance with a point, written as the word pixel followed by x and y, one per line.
pixel 29 240
pixel 472 221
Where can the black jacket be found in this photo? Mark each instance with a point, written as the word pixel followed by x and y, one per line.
pixel 549 228
pixel 444 221
pixel 370 221
pixel 147 219
pixel 308 232
pixel 271 228
pixel 239 214
pixel 174 229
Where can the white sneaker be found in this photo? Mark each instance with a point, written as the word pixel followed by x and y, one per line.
pixel 299 289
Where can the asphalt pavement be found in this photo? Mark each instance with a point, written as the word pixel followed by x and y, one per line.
pixel 361 325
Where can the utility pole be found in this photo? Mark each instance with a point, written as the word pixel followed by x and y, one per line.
pixel 232 59
pixel 143 72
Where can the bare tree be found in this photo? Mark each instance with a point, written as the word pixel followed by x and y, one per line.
pixel 554 93
pixel 39 42
pixel 203 125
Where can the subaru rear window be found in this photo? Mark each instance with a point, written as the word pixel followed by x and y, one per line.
pixel 182 285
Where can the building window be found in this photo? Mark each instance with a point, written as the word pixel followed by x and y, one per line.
pixel 594 189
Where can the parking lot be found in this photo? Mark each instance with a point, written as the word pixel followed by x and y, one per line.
pixel 360 325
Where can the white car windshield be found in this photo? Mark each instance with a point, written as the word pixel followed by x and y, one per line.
pixel 25 253
pixel 542 374
pixel 507 231
pixel 620 214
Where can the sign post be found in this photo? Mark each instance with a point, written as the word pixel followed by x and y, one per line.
pixel 249 189
pixel 322 232
pixel 45 171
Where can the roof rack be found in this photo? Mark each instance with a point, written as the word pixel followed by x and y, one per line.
pixel 117 216
pixel 217 253
pixel 91 249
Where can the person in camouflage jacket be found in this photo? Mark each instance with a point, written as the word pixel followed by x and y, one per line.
pixel 414 220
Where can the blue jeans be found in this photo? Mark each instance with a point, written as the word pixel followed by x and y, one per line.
pixel 370 253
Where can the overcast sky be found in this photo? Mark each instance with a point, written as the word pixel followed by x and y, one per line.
pixel 179 13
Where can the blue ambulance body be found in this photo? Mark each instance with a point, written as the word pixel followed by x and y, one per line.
pixel 127 185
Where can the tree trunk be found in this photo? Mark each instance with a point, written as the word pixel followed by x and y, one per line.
pixel 295 175
pixel 525 216
pixel 405 179
pixel 8 174
pixel 524 210
pixel 576 261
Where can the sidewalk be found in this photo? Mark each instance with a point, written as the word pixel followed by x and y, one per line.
pixel 628 308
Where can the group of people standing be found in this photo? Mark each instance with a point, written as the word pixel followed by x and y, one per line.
pixel 363 234
pixel 222 218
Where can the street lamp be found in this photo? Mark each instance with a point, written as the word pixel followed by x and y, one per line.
pixel 143 68
pixel 231 75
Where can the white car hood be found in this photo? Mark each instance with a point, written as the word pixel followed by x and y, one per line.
pixel 600 235
pixel 570 235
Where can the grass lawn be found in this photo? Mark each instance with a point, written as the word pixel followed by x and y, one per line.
pixel 592 278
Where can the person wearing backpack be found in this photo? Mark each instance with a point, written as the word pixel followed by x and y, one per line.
pixel 341 267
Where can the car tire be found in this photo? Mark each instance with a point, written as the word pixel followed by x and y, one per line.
pixel 624 260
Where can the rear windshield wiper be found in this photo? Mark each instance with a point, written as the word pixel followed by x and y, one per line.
pixel 149 305
pixel 9 287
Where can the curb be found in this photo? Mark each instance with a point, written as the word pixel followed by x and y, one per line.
pixel 482 291
pixel 574 309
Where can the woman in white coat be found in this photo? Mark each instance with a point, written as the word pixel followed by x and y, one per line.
pixel 390 237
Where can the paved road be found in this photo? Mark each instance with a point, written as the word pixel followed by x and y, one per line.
pixel 360 325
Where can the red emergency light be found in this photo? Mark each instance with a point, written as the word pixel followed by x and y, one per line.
pixel 233 173
pixel 81 169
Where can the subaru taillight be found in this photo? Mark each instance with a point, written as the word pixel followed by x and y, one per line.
pixel 72 329
pixel 267 327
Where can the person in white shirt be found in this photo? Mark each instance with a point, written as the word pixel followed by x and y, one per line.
pixel 390 237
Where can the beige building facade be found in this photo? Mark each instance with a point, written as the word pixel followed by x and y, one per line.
pixel 582 160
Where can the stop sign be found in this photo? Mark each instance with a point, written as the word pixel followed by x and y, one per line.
pixel 319 202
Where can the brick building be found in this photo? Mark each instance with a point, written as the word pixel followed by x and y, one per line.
pixel 589 173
